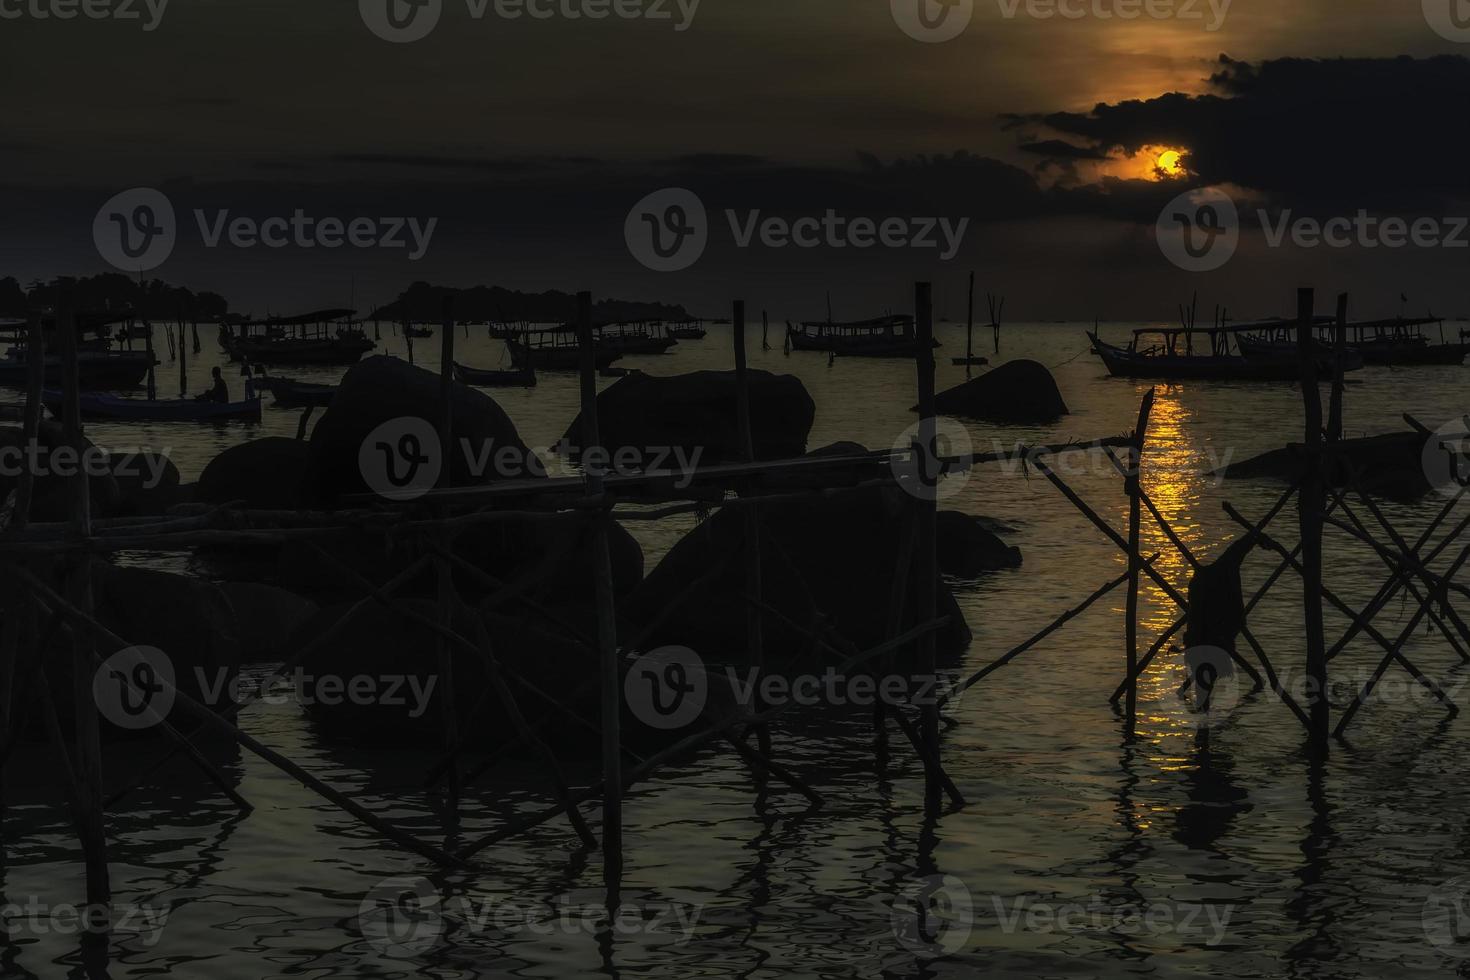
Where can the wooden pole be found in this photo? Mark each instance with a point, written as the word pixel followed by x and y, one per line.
pixel 607 631
pixel 87 734
pixel 926 567
pixel 754 629
pixel 443 573
pixel 765 330
pixel 1339 346
pixel 1309 513
pixel 970 327
pixel 183 363
pixel 35 382
pixel 1133 488
pixel 148 346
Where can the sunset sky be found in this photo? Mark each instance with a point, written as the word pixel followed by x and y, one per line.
pixel 529 140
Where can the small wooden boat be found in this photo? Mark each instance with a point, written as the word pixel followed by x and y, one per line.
pixel 1395 342
pixel 289 393
pixel 95 369
pixel 974 359
pixel 555 350
pixel 887 336
pixel 112 408
pixel 691 330
pixel 642 337
pixel 1168 362
pixel 481 378
pixel 325 337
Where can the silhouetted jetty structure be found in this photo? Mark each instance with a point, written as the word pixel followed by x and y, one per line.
pixel 747 492
pixel 322 337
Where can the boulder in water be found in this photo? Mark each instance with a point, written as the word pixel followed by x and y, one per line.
pixel 697 412
pixel 383 393
pixel 834 557
pixel 264 473
pixel 1015 393
pixel 966 547
pixel 147 483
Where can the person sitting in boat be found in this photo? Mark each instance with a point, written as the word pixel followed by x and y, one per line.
pixel 218 392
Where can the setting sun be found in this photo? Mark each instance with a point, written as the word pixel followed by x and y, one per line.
pixel 1168 164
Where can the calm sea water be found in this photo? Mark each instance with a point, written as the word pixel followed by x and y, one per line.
pixel 1080 853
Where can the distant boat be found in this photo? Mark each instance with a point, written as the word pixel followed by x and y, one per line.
pixel 690 330
pixel 518 378
pixel 321 337
pixel 637 337
pixel 418 332
pixel 887 336
pixel 1167 361
pixel 289 393
pixel 116 409
pixel 555 350
pixel 95 369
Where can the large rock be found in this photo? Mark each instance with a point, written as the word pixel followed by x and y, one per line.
pixel 266 618
pixel 834 557
pixel 189 621
pixel 698 412
pixel 148 484
pixel 1015 393
pixel 966 547
pixel 550 560
pixel 51 498
pixel 1396 465
pixel 384 390
pixel 264 473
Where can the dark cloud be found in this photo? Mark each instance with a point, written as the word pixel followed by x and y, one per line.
pixel 1062 150
pixel 1325 134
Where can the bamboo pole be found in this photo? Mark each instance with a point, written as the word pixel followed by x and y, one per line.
pixel 607 630
pixel 31 426
pixel 970 328
pixel 210 719
pixel 148 346
pixel 926 568
pixel 443 574
pixel 87 734
pixel 750 516
pixel 765 330
pixel 1133 487
pixel 1309 515
pixel 1339 354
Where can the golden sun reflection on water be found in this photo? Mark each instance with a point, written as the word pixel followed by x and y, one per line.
pixel 1175 478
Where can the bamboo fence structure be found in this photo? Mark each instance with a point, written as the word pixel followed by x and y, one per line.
pixel 596 499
